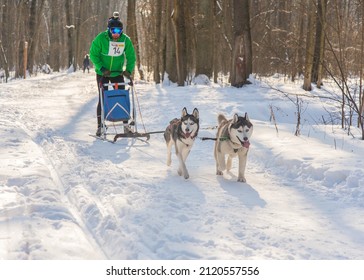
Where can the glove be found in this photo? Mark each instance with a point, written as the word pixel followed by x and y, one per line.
pixel 126 74
pixel 105 72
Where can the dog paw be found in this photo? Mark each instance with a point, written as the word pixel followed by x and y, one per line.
pixel 243 180
pixel 218 172
pixel 187 176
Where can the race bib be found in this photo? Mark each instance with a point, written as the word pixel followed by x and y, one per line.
pixel 116 48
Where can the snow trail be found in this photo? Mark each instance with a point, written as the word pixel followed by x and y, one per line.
pixel 65 195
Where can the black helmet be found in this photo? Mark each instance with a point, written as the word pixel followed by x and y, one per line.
pixel 114 21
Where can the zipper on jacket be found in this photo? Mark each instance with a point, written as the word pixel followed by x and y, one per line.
pixel 112 59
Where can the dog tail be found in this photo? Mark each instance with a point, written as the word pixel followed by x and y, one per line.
pixel 221 118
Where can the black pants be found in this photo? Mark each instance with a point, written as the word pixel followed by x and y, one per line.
pixel 101 79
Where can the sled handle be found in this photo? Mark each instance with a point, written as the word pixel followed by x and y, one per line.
pixel 113 84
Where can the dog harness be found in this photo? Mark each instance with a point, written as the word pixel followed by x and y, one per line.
pixel 227 137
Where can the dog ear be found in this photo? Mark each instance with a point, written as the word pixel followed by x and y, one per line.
pixel 195 113
pixel 184 112
pixel 246 116
pixel 236 118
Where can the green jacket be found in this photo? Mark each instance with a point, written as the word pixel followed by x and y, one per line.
pixel 112 55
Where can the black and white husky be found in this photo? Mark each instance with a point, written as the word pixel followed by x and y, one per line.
pixel 232 139
pixel 182 133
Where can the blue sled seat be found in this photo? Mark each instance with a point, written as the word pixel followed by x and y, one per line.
pixel 116 105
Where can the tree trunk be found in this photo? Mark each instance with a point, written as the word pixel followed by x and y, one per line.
pixel 180 40
pixel 242 50
pixel 20 31
pixel 5 40
pixel 70 30
pixel 36 11
pixel 170 46
pixel 56 33
pixel 204 43
pixel 238 76
pixel 361 90
pixel 216 26
pixel 310 46
pixel 282 22
pixel 322 45
pixel 189 9
pixel 298 27
pixel 133 33
pixel 158 26
pixel 163 39
pixel 319 43
pixel 4 62
pixel 247 39
pixel 78 20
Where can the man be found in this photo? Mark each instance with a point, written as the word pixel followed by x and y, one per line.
pixel 86 64
pixel 109 51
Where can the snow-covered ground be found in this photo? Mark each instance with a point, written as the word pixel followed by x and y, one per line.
pixel 66 195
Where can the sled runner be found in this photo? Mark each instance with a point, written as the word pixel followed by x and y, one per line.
pixel 118 113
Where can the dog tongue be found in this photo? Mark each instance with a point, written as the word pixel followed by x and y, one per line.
pixel 188 134
pixel 246 144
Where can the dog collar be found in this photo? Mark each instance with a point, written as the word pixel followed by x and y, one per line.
pixel 186 143
pixel 236 149
pixel 241 145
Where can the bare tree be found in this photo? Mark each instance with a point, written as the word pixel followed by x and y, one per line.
pixel 36 9
pixel 79 8
pixel 21 21
pixel 339 64
pixel 310 46
pixel 204 43
pixel 297 40
pixel 56 34
pixel 70 29
pixel 133 33
pixel 361 94
pixel 180 40
pixel 158 43
pixel 4 62
pixel 242 50
pixel 215 50
pixel 5 54
pixel 319 43
pixel 170 45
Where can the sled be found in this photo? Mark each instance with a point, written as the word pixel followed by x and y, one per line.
pixel 118 112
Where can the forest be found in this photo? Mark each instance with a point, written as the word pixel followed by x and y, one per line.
pixel 311 40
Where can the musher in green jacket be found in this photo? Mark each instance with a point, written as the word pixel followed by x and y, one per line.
pixel 113 56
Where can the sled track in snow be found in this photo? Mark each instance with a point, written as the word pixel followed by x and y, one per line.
pixel 45 143
pixel 99 218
